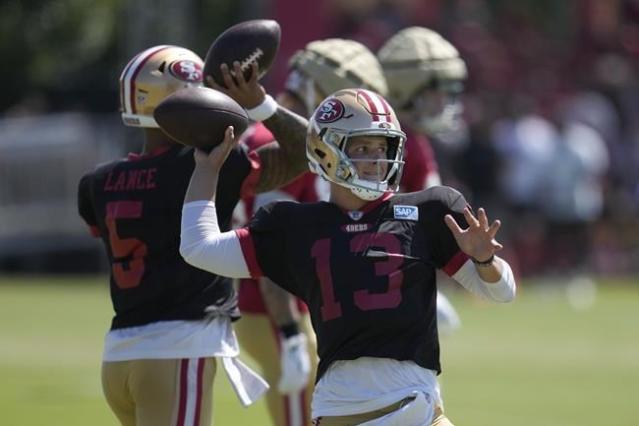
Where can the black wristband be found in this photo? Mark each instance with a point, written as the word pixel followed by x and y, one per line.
pixel 289 330
pixel 487 262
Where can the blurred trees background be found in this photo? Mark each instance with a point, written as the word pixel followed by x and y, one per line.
pixel 67 54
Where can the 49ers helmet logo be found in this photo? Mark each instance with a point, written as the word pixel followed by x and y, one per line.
pixel 187 71
pixel 330 111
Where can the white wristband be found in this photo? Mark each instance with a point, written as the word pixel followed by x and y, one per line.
pixel 264 110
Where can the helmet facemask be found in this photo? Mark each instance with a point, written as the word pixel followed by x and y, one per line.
pixel 437 109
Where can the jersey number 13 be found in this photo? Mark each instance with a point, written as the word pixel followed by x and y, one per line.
pixel 363 299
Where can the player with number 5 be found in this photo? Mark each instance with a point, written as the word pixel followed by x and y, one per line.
pixel 172 321
pixel 364 262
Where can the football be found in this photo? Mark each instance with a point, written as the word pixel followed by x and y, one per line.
pixel 198 117
pixel 246 42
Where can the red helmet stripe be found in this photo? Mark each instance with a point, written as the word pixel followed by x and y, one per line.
pixel 381 104
pixel 371 104
pixel 378 105
pixel 132 72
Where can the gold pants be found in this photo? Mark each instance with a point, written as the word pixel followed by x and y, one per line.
pixel 160 392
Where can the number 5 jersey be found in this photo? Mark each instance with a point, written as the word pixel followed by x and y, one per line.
pixel 134 206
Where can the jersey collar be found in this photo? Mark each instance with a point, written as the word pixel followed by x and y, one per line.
pixel 358 214
pixel 154 153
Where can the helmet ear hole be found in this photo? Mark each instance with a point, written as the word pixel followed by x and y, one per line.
pixel 321 154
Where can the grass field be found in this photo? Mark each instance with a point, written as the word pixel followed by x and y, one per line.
pixel 539 361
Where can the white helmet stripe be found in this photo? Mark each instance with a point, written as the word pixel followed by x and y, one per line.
pixel 381 105
pixel 129 74
pixel 123 107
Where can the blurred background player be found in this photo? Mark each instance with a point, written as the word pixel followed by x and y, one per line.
pixel 425 76
pixel 275 328
pixel 172 320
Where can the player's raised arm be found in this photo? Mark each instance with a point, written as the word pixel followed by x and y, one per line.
pixel 285 160
pixel 201 243
pixel 203 184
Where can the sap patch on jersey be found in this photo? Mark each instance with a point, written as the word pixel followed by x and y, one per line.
pixel 406 212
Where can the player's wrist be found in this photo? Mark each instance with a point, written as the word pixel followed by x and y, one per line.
pixel 263 111
pixel 484 263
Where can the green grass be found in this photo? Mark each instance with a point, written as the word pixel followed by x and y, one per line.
pixel 537 361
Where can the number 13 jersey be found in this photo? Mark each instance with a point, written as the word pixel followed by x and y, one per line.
pixel 368 277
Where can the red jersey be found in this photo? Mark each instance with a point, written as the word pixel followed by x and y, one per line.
pixel 420 168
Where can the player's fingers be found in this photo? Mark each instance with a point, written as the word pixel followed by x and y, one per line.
pixel 226 76
pixel 494 227
pixel 239 74
pixel 470 218
pixel 254 73
pixel 482 217
pixel 225 147
pixel 229 138
pixel 452 225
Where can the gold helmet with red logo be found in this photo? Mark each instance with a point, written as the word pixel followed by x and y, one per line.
pixel 346 114
pixel 151 76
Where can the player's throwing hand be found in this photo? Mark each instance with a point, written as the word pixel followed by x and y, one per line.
pixel 478 240
pixel 248 93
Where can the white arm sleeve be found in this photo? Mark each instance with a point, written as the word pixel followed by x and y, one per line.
pixel 203 245
pixel 501 291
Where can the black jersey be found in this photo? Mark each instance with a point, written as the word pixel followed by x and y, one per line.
pixel 135 206
pixel 368 277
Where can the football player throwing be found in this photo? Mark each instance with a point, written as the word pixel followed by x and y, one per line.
pixel 364 262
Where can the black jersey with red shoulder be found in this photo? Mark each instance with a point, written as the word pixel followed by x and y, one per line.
pixel 135 206
pixel 368 277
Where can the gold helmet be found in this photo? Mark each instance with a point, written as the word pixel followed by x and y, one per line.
pixel 425 74
pixel 151 76
pixel 326 66
pixel 349 113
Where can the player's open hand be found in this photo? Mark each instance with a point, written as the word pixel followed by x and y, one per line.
pixel 478 240
pixel 248 94
pixel 216 158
